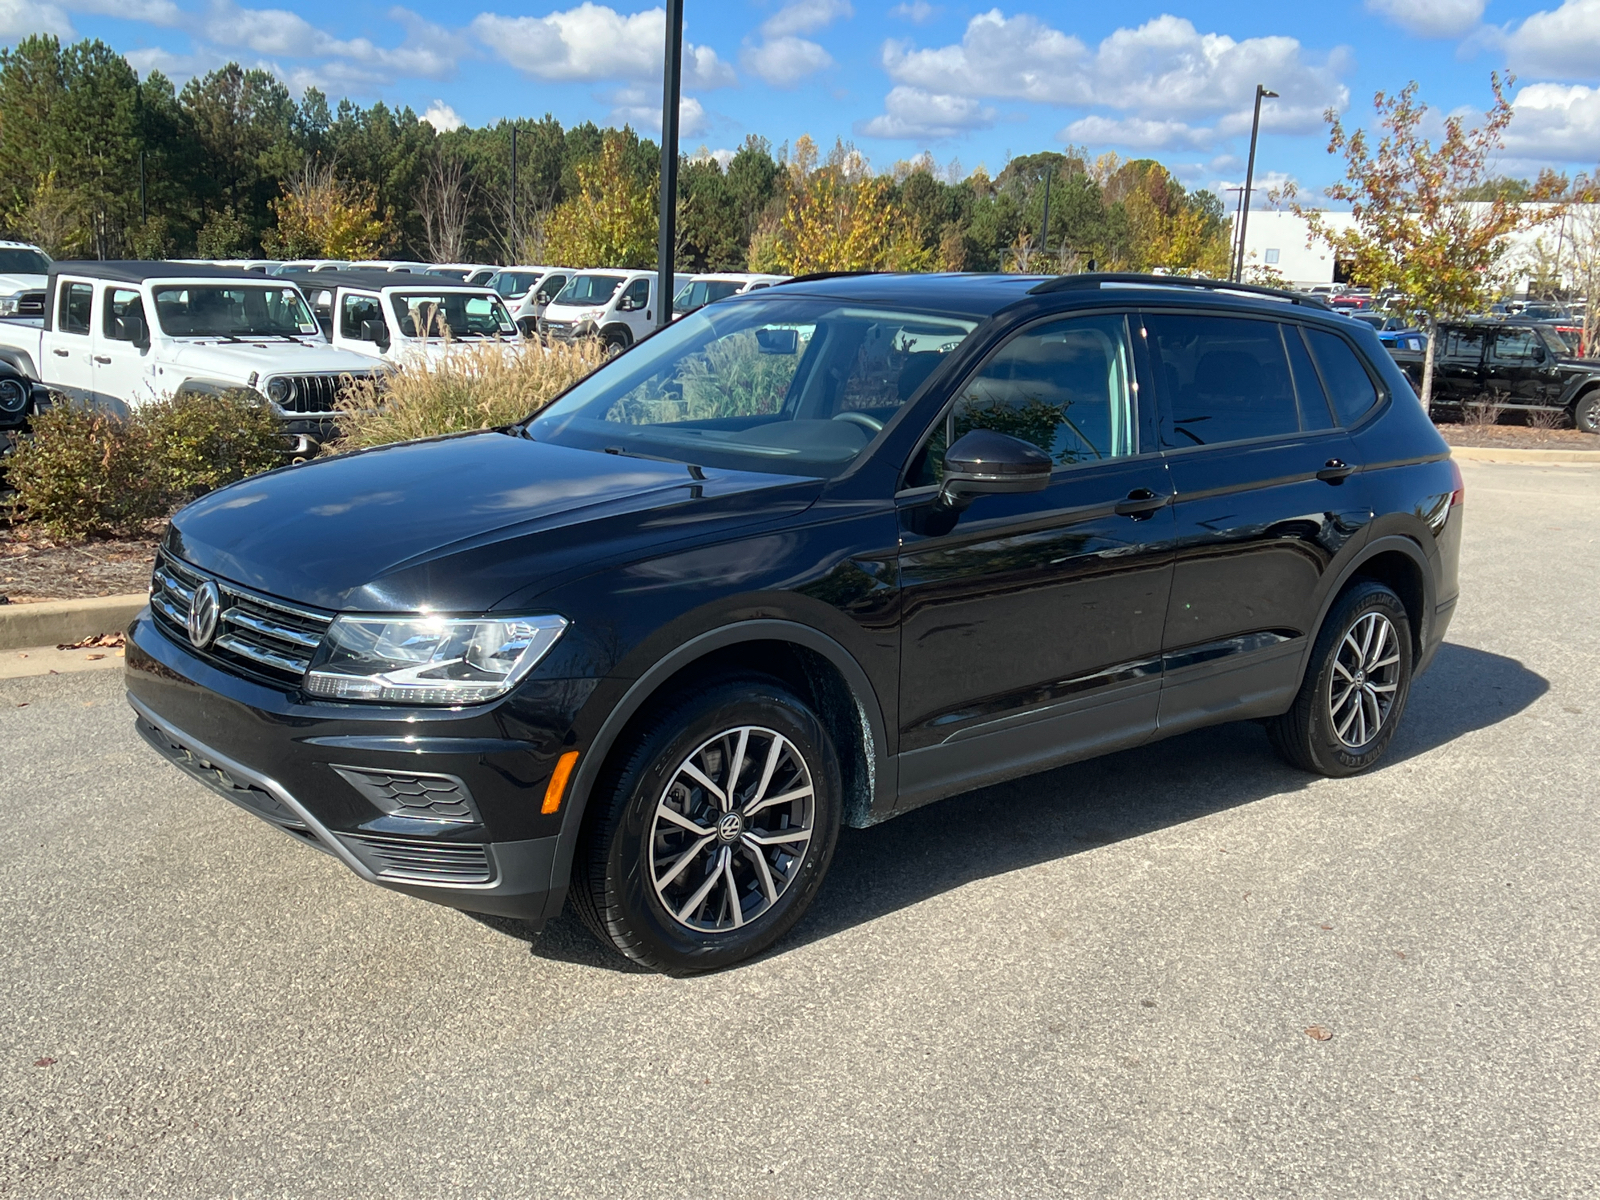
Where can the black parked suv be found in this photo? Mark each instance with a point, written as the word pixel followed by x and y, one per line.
pixel 808 558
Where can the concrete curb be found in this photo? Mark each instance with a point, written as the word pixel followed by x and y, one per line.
pixel 1512 454
pixel 50 622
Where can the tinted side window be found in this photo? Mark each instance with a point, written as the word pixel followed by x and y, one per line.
pixel 77 302
pixel 1517 346
pixel 124 314
pixel 1225 379
pixel 356 310
pixel 1314 410
pixel 1464 343
pixel 1349 385
pixel 638 293
pixel 1065 386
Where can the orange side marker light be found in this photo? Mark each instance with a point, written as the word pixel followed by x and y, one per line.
pixel 558 782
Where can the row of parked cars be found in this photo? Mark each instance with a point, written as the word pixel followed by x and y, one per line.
pixel 121 334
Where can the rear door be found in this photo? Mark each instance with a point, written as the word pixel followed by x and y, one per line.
pixel 1031 630
pixel 68 344
pixel 1458 363
pixel 1267 495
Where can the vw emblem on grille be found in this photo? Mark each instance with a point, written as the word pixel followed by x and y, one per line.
pixel 204 610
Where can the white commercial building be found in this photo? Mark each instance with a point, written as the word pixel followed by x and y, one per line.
pixel 1282 241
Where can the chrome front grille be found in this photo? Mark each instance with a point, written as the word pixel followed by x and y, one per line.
pixel 316 394
pixel 256 635
pixel 422 861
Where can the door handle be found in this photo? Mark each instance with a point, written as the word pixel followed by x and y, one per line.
pixel 1140 503
pixel 102 358
pixel 60 353
pixel 1335 470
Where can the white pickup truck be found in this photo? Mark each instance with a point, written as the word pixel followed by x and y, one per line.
pixel 400 318
pixel 214 330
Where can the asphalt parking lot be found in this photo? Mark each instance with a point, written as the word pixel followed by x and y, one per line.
pixel 1095 982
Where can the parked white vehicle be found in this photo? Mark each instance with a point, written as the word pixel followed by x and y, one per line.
pixel 618 307
pixel 399 317
pixel 702 290
pixel 214 330
pixel 23 268
pixel 477 274
pixel 304 266
pixel 528 290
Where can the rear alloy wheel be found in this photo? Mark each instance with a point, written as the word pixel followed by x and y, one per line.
pixel 715 831
pixel 1355 688
pixel 1586 412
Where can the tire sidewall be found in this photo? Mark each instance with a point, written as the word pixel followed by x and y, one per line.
pixel 1333 757
pixel 668 943
pixel 1586 413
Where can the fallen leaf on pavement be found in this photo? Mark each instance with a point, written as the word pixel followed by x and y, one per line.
pixel 1318 1034
pixel 44 1062
pixel 24 704
pixel 1327 926
pixel 1400 953
pixel 92 657
pixel 108 640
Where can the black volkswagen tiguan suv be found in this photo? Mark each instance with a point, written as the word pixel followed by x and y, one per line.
pixel 808 558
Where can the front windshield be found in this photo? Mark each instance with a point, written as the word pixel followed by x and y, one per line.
pixel 702 292
pixel 24 262
pixel 232 310
pixel 590 289
pixel 451 314
pixel 514 283
pixel 797 386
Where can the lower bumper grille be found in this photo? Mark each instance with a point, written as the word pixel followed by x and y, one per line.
pixel 423 861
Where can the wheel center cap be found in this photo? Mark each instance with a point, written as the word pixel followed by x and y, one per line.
pixel 729 826
pixel 1361 676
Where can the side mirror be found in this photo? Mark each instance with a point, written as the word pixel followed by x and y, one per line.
pixel 984 462
pixel 627 304
pixel 138 332
pixel 542 298
pixel 777 341
pixel 374 331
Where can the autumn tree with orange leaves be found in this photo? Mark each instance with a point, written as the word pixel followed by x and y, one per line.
pixel 1413 230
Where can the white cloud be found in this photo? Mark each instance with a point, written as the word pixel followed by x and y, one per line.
pixel 153 12
pixel 594 42
pixel 919 115
pixel 1431 18
pixel 18 18
pixel 917 12
pixel 429 51
pixel 1564 43
pixel 805 16
pixel 442 117
pixel 1163 71
pixel 785 61
pixel 1555 122
pixel 641 108
pixel 721 157
pixel 1139 133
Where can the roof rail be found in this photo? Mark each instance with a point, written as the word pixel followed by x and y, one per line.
pixel 816 275
pixel 1063 283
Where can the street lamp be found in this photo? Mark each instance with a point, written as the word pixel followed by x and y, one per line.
pixel 671 83
pixel 1249 178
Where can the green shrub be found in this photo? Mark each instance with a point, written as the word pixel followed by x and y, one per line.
pixel 84 472
pixel 473 387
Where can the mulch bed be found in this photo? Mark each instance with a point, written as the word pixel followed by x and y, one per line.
pixel 1524 437
pixel 32 567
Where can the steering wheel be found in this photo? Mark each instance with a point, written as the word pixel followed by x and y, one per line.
pixel 870 424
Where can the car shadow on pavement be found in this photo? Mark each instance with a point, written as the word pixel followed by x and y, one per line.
pixel 1049 816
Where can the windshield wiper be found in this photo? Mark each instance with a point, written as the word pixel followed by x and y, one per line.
pixel 695 472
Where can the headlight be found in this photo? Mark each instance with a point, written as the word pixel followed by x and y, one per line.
pixel 280 390
pixel 8 304
pixel 13 396
pixel 430 660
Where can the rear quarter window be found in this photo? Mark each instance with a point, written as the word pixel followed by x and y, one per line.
pixel 1349 386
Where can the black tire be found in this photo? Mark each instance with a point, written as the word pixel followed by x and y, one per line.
pixel 627 845
pixel 1586 412
pixel 1309 734
pixel 614 343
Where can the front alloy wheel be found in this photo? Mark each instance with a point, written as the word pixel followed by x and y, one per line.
pixel 710 832
pixel 1586 412
pixel 730 831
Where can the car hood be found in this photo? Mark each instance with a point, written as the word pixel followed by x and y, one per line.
pixel 459 524
pixel 22 283
pixel 237 360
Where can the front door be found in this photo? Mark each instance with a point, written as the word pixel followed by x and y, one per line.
pixel 68 365
pixel 1031 624
pixel 1519 369
pixel 120 367
pixel 1268 492
pixel 1458 363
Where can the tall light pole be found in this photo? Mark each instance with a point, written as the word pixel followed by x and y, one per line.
pixel 671 83
pixel 1233 244
pixel 1249 179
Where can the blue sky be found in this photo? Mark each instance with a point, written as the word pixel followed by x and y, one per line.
pixel 967 83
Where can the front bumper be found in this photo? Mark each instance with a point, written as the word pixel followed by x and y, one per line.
pixel 281 759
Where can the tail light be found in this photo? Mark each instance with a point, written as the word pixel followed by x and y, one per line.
pixel 1459 492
